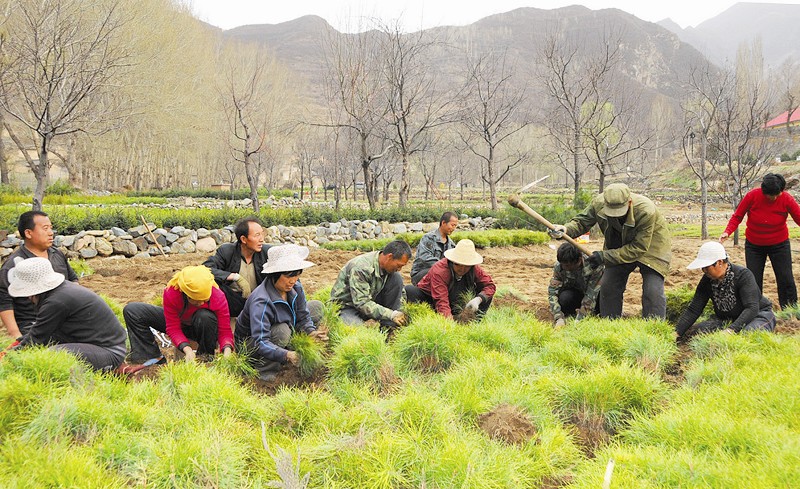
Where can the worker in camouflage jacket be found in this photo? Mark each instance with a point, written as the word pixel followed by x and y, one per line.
pixel 370 287
pixel 575 287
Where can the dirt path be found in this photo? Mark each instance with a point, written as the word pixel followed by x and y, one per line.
pixel 527 270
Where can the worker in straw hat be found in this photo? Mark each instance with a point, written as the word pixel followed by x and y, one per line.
pixel 456 283
pixel 734 293
pixel 69 316
pixel 194 308
pixel 276 309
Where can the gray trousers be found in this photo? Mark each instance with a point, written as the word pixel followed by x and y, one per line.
pixel 764 321
pixel 390 297
pixel 105 358
pixel 614 282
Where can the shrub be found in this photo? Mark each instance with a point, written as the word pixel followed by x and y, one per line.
pixel 426 346
pixel 364 356
pixel 678 300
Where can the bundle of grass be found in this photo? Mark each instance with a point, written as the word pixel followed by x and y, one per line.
pixel 311 351
pixel 602 401
pixel 678 300
pixel 426 346
pixel 82 269
pixel 364 356
pixel 419 311
pixel 236 365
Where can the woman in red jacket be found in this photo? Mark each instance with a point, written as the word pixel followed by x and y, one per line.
pixel 766 235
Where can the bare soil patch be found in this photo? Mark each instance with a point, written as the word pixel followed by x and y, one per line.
pixel 507 423
pixel 527 270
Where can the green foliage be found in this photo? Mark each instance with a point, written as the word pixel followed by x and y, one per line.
pixel 678 300
pixel 60 187
pixel 312 353
pixel 426 346
pixel 364 356
pixel 482 239
pixel 82 269
pixel 557 213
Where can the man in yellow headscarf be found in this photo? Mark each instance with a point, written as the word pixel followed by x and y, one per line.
pixel 194 309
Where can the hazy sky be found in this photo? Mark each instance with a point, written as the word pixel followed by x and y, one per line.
pixel 417 14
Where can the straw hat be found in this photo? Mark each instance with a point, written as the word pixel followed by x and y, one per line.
pixel 33 276
pixel 196 282
pixel 286 258
pixel 616 197
pixel 709 254
pixel 464 254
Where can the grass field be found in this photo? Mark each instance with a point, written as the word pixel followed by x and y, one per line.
pixel 508 402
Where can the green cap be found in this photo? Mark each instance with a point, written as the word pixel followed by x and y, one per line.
pixel 616 197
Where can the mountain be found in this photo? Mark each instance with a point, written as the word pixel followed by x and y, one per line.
pixel 654 59
pixel 775 25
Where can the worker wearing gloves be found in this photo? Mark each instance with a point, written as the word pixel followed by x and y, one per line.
pixel 451 279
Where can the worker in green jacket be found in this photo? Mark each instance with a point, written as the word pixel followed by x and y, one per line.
pixel 636 235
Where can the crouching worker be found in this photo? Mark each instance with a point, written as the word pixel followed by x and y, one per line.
pixel 734 293
pixel 456 283
pixel 276 309
pixel 575 286
pixel 370 287
pixel 194 308
pixel 68 316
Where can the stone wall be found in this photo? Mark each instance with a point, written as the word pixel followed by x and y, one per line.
pixel 137 242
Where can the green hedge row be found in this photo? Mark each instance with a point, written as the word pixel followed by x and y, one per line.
pixel 482 239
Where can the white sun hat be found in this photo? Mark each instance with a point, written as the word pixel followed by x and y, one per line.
pixel 286 258
pixel 464 254
pixel 32 276
pixel 709 253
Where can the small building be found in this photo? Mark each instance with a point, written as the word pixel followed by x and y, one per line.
pixel 220 186
pixel 784 120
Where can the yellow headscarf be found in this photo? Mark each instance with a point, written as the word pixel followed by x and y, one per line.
pixel 195 282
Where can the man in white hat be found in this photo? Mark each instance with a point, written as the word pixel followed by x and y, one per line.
pixel 451 279
pixel 734 293
pixel 68 316
pixel 635 236
pixel 276 309
pixel 37 232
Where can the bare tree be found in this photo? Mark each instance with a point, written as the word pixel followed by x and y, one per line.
pixel 708 89
pixel 254 96
pixel 63 59
pixel 355 91
pixel 790 88
pixel 416 105
pixel 578 81
pixel 493 113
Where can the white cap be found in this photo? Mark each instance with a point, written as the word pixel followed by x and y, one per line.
pixel 709 254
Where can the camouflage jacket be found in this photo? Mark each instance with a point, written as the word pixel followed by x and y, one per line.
pixel 358 283
pixel 586 280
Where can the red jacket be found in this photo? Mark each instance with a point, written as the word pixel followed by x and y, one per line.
pixel 174 304
pixel 766 221
pixel 437 284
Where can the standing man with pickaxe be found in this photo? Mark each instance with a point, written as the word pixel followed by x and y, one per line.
pixel 636 235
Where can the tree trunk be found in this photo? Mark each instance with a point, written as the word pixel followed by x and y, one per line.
pixel 41 174
pixel 704 191
pixel 4 176
pixel 576 135
pixel 404 183
pixel 252 181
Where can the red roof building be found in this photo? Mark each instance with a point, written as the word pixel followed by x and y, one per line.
pixel 781 120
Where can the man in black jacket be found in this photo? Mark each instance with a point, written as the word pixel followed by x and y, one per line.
pixel 237 266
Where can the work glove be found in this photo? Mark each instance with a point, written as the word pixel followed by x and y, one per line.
pixel 559 322
pixel 595 259
pixel 244 285
pixel 399 318
pixel 558 231
pixel 227 351
pixel 12 346
pixel 473 304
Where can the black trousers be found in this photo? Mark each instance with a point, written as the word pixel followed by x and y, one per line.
pixel 140 317
pixel 780 255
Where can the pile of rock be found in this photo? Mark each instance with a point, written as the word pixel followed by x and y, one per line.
pixel 144 242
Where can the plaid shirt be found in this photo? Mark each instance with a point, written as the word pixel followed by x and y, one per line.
pixel 587 280
pixel 358 283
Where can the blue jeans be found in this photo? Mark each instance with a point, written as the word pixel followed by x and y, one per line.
pixel 780 255
pixel 612 289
